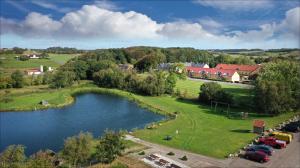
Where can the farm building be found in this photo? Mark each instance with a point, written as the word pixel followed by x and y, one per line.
pixel 33 56
pixel 213 73
pixel 245 71
pixel 37 71
pixel 258 126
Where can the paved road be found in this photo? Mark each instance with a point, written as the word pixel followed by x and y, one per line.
pixel 284 158
pixel 226 83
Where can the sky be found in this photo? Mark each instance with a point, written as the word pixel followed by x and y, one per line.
pixel 201 24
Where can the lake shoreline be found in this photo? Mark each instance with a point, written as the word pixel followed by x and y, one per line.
pixel 74 91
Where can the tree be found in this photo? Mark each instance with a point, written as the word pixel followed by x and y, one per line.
pixel 13 157
pixel 110 146
pixel 277 87
pixel 77 149
pixel 17 79
pixel 62 79
pixel 47 78
pixel 41 159
pixel 212 91
pixel 170 83
pixel 110 78
pixel 208 91
pixel 79 67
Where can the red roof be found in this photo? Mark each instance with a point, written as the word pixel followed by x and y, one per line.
pixel 225 72
pixel 249 68
pixel 258 123
pixel 33 70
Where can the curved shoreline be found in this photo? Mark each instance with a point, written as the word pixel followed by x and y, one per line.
pixel 71 97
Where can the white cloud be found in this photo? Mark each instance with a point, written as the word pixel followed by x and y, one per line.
pixel 184 30
pixel 211 25
pixel 51 6
pixel 94 23
pixel 236 4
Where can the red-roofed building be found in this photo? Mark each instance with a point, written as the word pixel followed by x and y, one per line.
pixel 213 73
pixel 244 70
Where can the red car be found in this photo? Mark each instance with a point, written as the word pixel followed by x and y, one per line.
pixel 257 156
pixel 271 141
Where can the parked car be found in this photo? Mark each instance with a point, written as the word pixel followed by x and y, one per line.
pixel 271 141
pixel 282 136
pixel 257 156
pixel 292 127
pixel 263 148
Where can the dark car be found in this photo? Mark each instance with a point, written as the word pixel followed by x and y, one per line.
pixel 292 127
pixel 257 156
pixel 263 148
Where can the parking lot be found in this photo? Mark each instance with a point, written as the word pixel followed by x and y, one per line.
pixel 281 158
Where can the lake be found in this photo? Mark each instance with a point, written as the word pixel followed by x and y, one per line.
pixel 47 129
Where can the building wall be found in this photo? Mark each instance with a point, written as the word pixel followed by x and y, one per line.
pixel 235 77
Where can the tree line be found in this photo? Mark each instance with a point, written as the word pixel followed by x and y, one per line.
pixel 79 150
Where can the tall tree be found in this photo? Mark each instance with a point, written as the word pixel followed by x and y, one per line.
pixel 277 87
pixel 110 146
pixel 17 79
pixel 13 157
pixel 77 149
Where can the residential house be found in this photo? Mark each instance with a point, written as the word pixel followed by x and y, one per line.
pixel 32 56
pixel 246 71
pixel 214 74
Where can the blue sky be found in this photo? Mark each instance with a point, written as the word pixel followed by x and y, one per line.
pixel 200 24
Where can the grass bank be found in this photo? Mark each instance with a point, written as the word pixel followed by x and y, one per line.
pixel 200 129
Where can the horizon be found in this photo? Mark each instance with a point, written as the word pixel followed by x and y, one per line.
pixel 199 24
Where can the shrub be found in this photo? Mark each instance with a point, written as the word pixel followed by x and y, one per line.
pixel 184 158
pixel 171 154
pixel 142 153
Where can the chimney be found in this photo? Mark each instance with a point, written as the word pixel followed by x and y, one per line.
pixel 41 68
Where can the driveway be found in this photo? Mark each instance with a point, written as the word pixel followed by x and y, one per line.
pixel 226 83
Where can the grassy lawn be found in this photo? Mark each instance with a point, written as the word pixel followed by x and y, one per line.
pixel 201 130
pixel 10 63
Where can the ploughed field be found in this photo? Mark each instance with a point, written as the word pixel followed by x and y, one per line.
pixel 200 128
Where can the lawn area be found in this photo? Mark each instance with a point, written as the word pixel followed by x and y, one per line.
pixel 201 130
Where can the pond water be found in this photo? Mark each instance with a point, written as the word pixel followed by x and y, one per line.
pixel 47 129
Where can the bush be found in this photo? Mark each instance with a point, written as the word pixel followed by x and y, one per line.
pixel 184 158
pixel 171 154
pixel 142 153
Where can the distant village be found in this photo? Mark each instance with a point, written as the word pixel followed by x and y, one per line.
pixel 225 72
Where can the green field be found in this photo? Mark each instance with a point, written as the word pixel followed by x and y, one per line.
pixel 9 63
pixel 201 130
